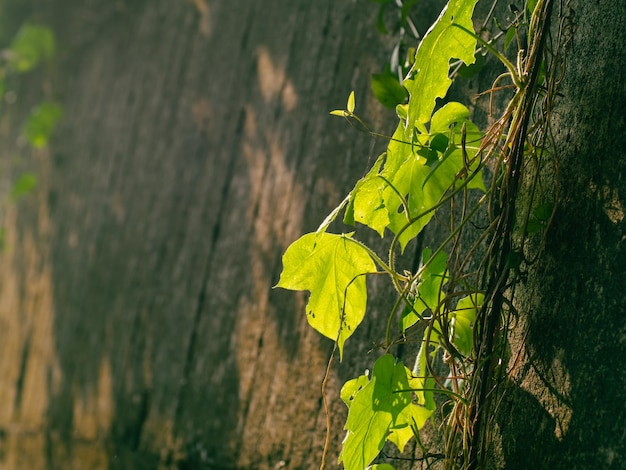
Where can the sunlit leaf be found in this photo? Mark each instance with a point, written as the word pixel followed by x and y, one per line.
pixel 424 379
pixel 406 171
pixel 429 75
pixel 352 387
pixel 350 105
pixel 463 320
pixel 381 466
pixel 452 118
pixel 366 204
pixel 382 409
pixel 332 268
pixel 429 287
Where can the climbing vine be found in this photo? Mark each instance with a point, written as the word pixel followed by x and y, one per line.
pixel 459 301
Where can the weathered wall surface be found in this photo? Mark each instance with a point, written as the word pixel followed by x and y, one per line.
pixel 138 325
pixel 564 408
pixel 138 328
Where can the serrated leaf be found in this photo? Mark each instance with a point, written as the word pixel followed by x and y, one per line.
pixel 350 105
pixel 387 90
pixel 332 268
pixel 380 411
pixel 429 75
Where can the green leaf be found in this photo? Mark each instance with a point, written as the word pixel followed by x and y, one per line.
pixel 423 379
pixel 510 35
pixel 31 45
pixel 534 226
pixel 380 19
pixel 387 90
pixel 352 387
pixel 408 174
pixel 381 466
pixel 366 204
pixel 406 171
pixel 339 112
pixel 379 199
pixel 443 42
pixel 452 113
pixel 24 185
pixel 350 105
pixel 463 320
pixel 439 143
pixel 41 123
pixel 382 409
pixel 451 118
pixel 429 287
pixel 543 211
pixel 332 267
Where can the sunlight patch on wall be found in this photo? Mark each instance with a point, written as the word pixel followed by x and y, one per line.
pixel 205 16
pixel 544 384
pixel 273 81
pixel 94 407
pixel 612 206
pixel 30 373
pixel 275 217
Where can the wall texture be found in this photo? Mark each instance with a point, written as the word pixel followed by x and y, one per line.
pixel 564 407
pixel 138 327
pixel 138 324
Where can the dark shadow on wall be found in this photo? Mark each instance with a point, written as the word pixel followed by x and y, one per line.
pixel 571 411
